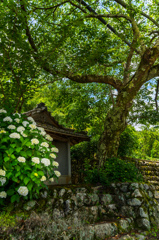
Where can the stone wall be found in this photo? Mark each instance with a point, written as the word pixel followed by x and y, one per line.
pixel 149 170
pixel 90 213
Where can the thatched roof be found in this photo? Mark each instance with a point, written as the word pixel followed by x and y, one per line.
pixel 44 119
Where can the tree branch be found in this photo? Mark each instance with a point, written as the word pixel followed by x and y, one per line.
pixel 126 6
pixel 58 5
pixel 48 8
pixel 154 72
pixel 110 64
pixel 109 16
pixel 117 84
pixel 136 36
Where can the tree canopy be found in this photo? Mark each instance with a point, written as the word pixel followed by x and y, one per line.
pixel 112 42
pixel 66 39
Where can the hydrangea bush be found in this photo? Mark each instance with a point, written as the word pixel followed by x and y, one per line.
pixel 27 157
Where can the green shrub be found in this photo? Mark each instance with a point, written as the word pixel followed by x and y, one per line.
pixel 155 149
pixel 84 150
pixel 114 170
pixel 26 159
pixel 148 139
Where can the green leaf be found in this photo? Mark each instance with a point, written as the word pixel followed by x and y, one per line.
pixel 40 173
pixel 6 159
pixel 18 174
pixel 12 156
pixel 23 154
pixel 15 198
pixel 27 167
pixel 28 144
pixel 10 151
pixel 26 180
pixel 29 153
pixel 17 168
pixel 13 145
pixel 4 140
pixel 15 179
pixel 18 149
pixel 30 186
pixel 8 174
pixel 10 192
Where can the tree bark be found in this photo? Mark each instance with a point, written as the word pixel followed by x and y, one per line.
pixel 114 125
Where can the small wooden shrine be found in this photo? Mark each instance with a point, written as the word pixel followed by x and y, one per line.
pixel 63 138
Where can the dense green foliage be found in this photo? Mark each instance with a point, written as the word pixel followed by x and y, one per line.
pixel 81 107
pixel 143 144
pixel 148 140
pixel 114 170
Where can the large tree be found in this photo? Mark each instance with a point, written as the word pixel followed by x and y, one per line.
pixel 112 42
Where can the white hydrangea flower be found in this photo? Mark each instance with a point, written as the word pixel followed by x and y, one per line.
pixel 42 149
pixel 57 173
pixel 43 178
pixel 55 164
pixel 17 120
pixel 52 155
pixel 34 141
pixel 32 126
pixel 11 127
pixel 19 115
pixel 3 111
pixel 54 149
pixel 35 160
pixel 2 172
pixel 3 180
pixel 3 194
pixel 30 119
pixel 43 133
pixel 7 119
pixel 23 134
pixel 40 128
pixel 45 161
pixel 25 123
pixel 2 131
pixel 23 191
pixel 48 137
pixel 20 129
pixel 45 144
pixel 51 179
pixel 14 135
pixel 21 159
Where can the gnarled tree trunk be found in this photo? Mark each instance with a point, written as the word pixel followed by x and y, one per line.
pixel 114 125
pixel 115 122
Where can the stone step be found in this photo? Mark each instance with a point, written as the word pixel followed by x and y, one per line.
pixel 149 172
pixel 151 177
pixel 152 182
pixel 148 164
pixel 149 167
